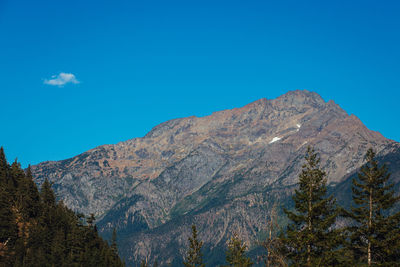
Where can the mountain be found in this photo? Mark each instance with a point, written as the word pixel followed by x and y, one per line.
pixel 223 172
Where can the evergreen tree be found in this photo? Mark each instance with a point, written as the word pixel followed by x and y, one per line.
pixel 15 175
pixel 310 239
pixel 35 230
pixel 194 254
pixel 28 199
pixel 375 236
pixel 8 228
pixel 236 253
pixel 47 195
pixel 114 246
pixel 3 168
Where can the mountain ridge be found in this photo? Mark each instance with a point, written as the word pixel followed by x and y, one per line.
pixel 224 169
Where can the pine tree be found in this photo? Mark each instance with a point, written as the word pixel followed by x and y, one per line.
pixel 236 253
pixel 194 254
pixel 375 236
pixel 310 239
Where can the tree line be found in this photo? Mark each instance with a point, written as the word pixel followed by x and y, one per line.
pixel 369 235
pixel 36 230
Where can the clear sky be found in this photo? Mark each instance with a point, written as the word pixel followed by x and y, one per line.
pixel 78 74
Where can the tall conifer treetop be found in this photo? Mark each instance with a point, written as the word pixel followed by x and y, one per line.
pixel 236 253
pixel 375 237
pixel 310 239
pixel 194 254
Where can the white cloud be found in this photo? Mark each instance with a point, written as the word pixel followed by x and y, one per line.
pixel 61 79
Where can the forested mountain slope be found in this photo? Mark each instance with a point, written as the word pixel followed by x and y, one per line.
pixel 36 230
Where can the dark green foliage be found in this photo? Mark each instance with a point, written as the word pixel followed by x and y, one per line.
pixel 114 241
pixel 194 254
pixel 236 253
pixel 375 236
pixel 35 230
pixel 114 247
pixel 47 195
pixel 3 168
pixel 8 228
pixel 28 198
pixel 310 239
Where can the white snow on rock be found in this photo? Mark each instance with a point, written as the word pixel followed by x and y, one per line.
pixel 298 125
pixel 275 139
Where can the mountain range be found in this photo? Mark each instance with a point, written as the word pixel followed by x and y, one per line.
pixel 224 172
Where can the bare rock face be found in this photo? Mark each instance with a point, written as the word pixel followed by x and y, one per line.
pixel 223 172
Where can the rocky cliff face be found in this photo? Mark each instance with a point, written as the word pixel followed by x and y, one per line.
pixel 223 172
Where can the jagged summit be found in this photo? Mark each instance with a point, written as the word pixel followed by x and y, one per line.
pixel 221 170
pixel 288 105
pixel 300 97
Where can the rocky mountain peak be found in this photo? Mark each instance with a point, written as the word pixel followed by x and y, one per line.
pixel 300 98
pixel 220 169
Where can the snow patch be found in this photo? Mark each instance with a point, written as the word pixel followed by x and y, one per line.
pixel 298 125
pixel 275 139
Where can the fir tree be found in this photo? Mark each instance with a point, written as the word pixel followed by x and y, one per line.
pixel 194 254
pixel 8 228
pixel 28 199
pixel 375 236
pixel 3 168
pixel 310 239
pixel 47 195
pixel 114 241
pixel 114 246
pixel 236 253
pixel 35 230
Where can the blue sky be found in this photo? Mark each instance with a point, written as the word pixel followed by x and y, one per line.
pixel 78 74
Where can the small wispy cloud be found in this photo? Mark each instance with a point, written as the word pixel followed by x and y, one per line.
pixel 61 79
